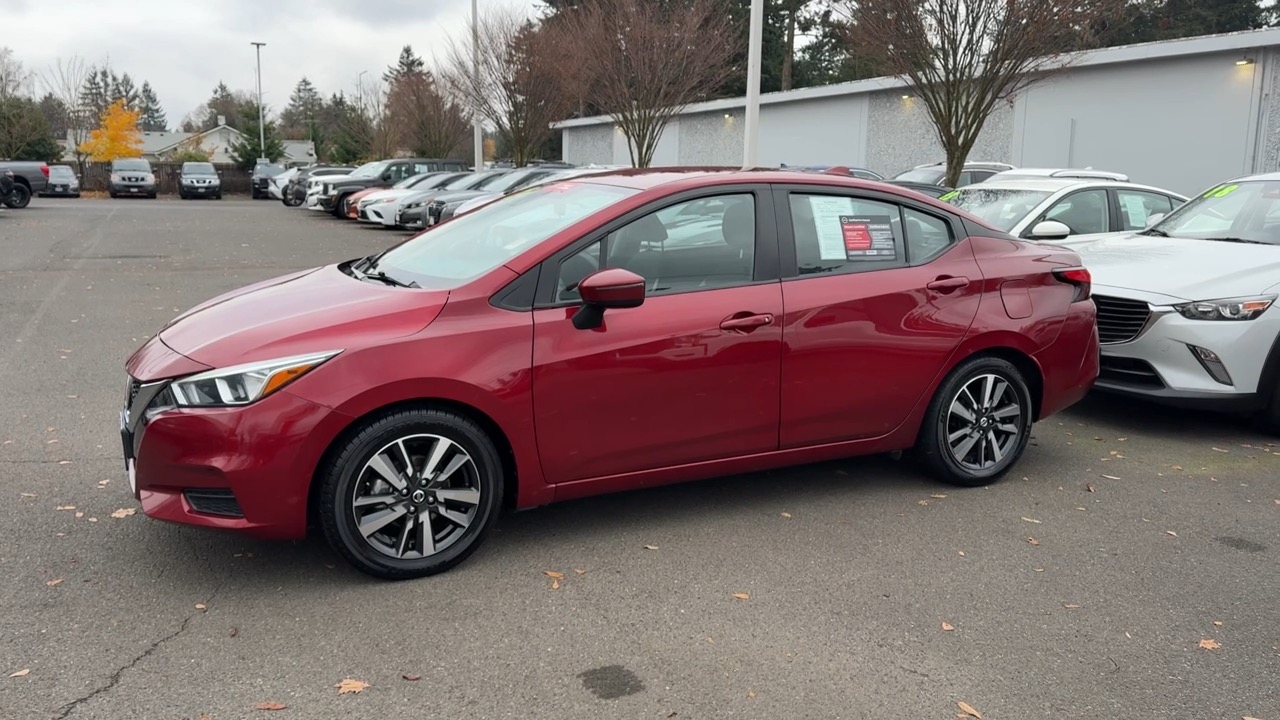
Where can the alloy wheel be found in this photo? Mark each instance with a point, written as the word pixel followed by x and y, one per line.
pixel 984 422
pixel 416 496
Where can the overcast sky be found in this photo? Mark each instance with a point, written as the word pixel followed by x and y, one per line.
pixel 184 48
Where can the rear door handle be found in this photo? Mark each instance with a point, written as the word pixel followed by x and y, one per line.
pixel 742 322
pixel 947 284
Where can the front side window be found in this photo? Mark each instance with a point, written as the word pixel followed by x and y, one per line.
pixel 1137 206
pixel 370 170
pixel 1000 207
pixel 701 244
pixel 928 176
pixel 473 244
pixel 838 234
pixel 1084 212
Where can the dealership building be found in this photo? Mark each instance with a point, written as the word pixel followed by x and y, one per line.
pixel 1179 114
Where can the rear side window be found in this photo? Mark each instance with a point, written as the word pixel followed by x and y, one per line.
pixel 1137 206
pixel 839 234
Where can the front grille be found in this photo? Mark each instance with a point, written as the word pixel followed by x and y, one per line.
pixel 213 502
pixel 1120 319
pixel 1128 371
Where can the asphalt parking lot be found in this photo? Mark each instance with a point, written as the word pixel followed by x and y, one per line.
pixel 1130 567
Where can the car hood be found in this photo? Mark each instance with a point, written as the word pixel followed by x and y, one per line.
pixel 304 312
pixel 416 195
pixel 1179 268
pixel 461 195
pixel 389 193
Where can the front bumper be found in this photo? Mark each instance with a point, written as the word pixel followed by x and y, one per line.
pixel 246 469
pixel 60 190
pixel 1160 364
pixel 411 218
pixel 201 189
pixel 128 188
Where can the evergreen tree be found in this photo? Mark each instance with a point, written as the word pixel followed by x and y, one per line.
pixel 96 95
pixel 124 89
pixel 153 119
pixel 246 150
pixel 224 103
pixel 301 117
pixel 408 64
pixel 55 113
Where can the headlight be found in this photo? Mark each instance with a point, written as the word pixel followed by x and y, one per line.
pixel 1228 309
pixel 244 384
pixel 414 205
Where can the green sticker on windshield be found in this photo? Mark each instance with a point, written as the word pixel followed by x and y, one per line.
pixel 947 196
pixel 1221 191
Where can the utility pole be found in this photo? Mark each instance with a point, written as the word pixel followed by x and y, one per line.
pixel 475 68
pixel 360 91
pixel 262 126
pixel 751 133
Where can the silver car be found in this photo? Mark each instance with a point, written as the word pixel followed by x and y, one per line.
pixel 132 176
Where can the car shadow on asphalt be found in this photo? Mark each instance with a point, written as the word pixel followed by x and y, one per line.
pixel 1127 415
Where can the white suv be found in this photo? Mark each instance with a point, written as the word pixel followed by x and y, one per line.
pixel 1055 205
pixel 1185 310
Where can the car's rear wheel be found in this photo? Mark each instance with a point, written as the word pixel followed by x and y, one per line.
pixel 19 197
pixel 412 493
pixel 978 424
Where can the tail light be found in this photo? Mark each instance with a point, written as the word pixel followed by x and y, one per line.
pixel 45 169
pixel 1079 278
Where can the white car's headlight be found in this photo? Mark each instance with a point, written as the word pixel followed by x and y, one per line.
pixel 244 384
pixel 1229 309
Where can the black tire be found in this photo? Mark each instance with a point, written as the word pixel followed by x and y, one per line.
pixel 348 474
pixel 975 468
pixel 152 196
pixel 340 208
pixel 218 196
pixel 19 197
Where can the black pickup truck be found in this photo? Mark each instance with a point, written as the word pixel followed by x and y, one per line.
pixel 381 174
pixel 29 178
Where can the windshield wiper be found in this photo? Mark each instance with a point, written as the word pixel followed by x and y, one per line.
pixel 1154 232
pixel 1238 240
pixel 383 277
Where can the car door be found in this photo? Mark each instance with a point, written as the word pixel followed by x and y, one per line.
pixel 692 374
pixel 879 292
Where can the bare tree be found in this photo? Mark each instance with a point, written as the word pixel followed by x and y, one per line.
pixel 65 81
pixel 432 123
pixel 964 56
pixel 14 78
pixel 372 126
pixel 518 88
pixel 646 61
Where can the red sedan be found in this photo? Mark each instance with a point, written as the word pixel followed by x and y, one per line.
pixel 612 332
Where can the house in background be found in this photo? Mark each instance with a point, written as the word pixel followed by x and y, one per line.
pixel 159 146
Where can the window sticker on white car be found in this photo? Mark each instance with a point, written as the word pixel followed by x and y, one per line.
pixel 868 237
pixel 1136 208
pixel 1221 191
pixel 827 213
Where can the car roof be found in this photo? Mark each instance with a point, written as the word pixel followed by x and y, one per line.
pixel 1078 173
pixel 1053 185
pixel 1261 177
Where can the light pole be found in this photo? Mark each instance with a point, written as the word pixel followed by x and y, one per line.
pixel 475 68
pixel 360 90
pixel 751 133
pixel 262 127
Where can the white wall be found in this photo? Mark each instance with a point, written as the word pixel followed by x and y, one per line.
pixel 826 131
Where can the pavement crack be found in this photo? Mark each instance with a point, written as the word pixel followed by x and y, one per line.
pixel 116 676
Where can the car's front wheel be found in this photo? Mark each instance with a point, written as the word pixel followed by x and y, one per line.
pixel 411 493
pixel 978 424
pixel 19 196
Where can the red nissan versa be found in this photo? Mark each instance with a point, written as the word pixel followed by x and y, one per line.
pixel 612 332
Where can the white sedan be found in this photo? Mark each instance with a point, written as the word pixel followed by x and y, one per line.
pixel 1055 205
pixel 1185 310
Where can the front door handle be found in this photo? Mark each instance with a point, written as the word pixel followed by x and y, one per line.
pixel 947 284
pixel 745 322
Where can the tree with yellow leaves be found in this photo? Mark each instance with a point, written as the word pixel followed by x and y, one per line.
pixel 117 135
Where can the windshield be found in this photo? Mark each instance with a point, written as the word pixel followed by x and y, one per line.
pixel 461 183
pixel 61 171
pixel 514 179
pixel 198 168
pixel 1237 211
pixel 930 176
pixel 412 180
pixel 368 170
pixel 268 170
pixel 1000 208
pixel 131 164
pixel 476 243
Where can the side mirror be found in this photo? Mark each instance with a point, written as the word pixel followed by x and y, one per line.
pixel 1153 219
pixel 614 288
pixel 387 176
pixel 1050 230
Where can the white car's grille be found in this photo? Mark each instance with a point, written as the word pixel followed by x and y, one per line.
pixel 1120 319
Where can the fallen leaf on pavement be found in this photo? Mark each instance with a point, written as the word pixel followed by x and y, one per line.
pixel 1218 449
pixel 962 553
pixel 1031 520
pixel 1246 717
pixel 64 462
pixel 54 583
pixel 922 502
pixel 1111 477
pixel 969 710
pixel 553 574
pixel 1170 532
pixel 555 584
pixel 123 512
pixel 937 497
pixel 235 632
pixel 270 706
pixel 351 685
pixel 751 693
pixel 1090 487
pixel 1210 644
pixel 1121 439
pixel 201 606
pixel 1033 541
pixel 21 673
pixel 65 507
pixel 1071 606
pixel 650 547
pixel 79 514
pixel 31 495
pixel 103 483
pixel 579 571
pixel 92 519
pixel 742 596
pixel 786 514
pixel 1175 467
pixel 1218 623
pixel 948 627
pixel 412 678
